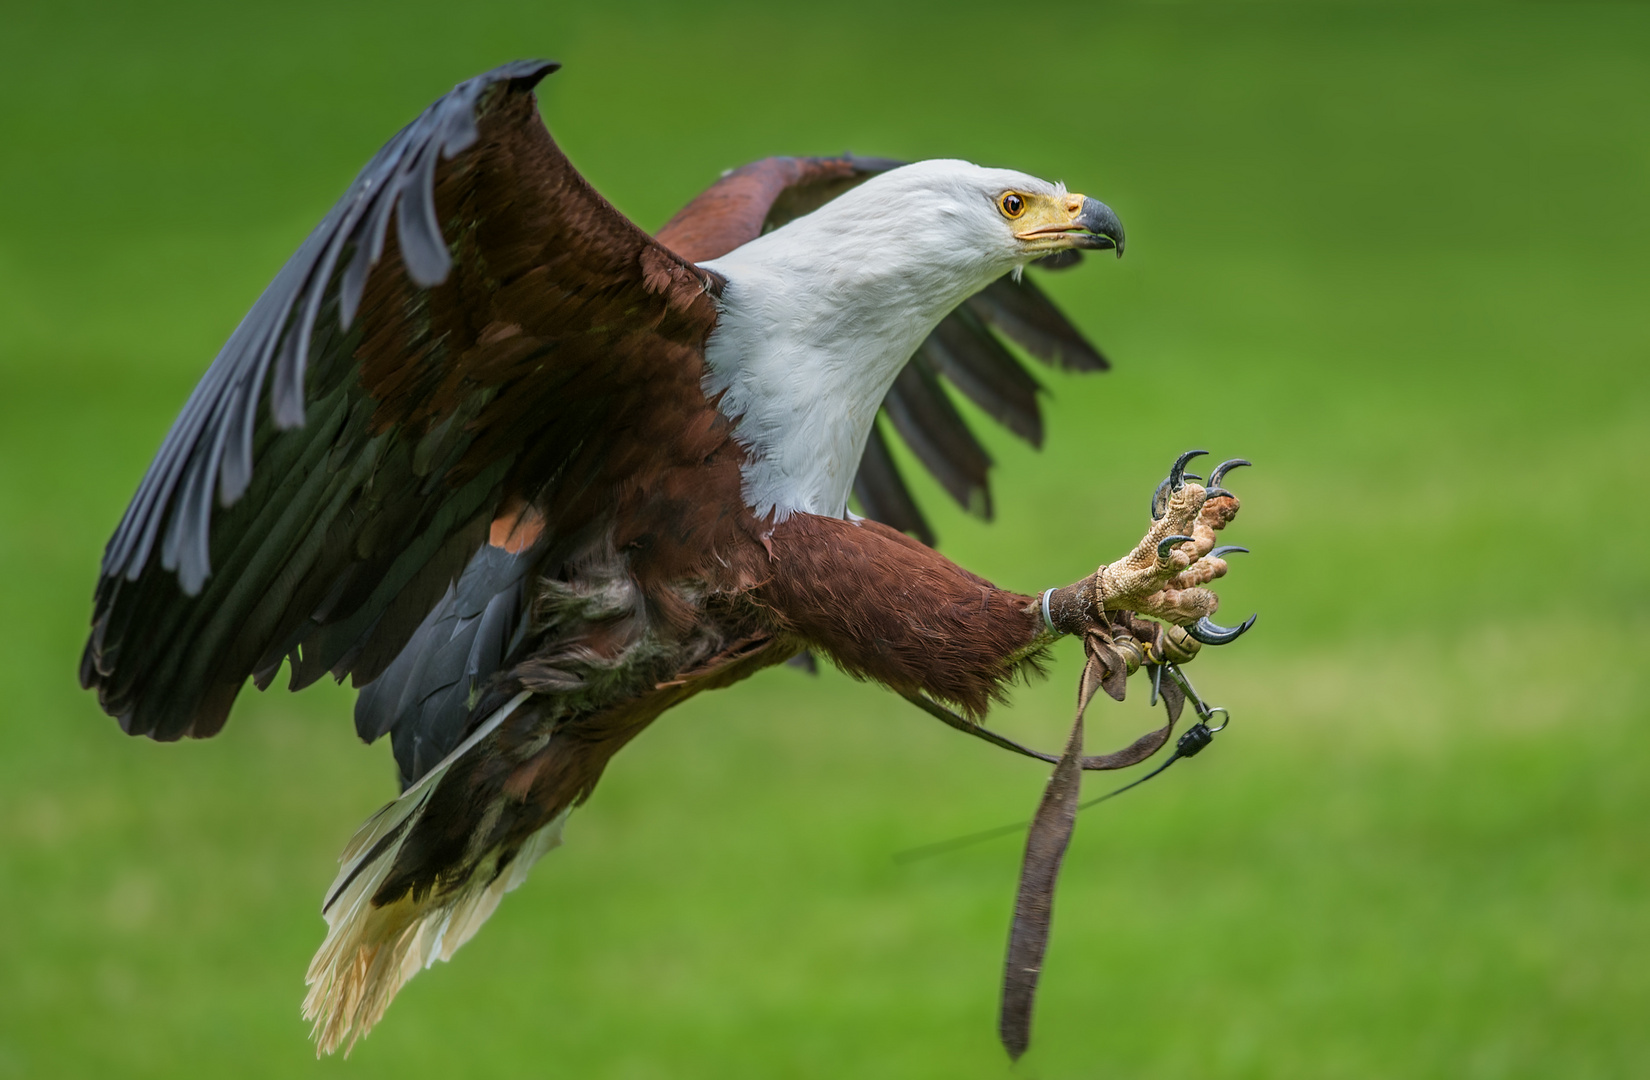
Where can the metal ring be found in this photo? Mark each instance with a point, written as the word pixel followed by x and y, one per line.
pixel 1221 709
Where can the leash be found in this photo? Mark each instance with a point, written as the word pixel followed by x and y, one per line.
pixel 1113 653
pixel 1191 743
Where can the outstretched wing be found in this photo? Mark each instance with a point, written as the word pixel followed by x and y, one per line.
pixel 963 350
pixel 348 450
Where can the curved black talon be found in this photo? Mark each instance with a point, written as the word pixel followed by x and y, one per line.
pixel 1224 550
pixel 1160 501
pixel 1225 467
pixel 1176 480
pixel 1177 471
pixel 1213 492
pixel 1210 632
pixel 1167 545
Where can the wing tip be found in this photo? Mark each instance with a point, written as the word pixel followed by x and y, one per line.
pixel 523 74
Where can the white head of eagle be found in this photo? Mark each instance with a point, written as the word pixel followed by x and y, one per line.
pixel 819 316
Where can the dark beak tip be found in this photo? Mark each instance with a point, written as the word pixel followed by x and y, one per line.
pixel 1103 222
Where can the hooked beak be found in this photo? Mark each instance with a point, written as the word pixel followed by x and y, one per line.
pixel 1086 223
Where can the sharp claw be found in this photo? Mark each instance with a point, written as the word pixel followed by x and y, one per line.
pixel 1225 549
pixel 1167 545
pixel 1210 632
pixel 1192 476
pixel 1225 467
pixel 1216 492
pixel 1160 501
pixel 1177 471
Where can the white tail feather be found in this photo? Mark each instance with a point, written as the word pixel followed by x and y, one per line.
pixel 370 952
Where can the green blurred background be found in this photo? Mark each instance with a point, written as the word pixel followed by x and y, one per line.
pixel 1394 256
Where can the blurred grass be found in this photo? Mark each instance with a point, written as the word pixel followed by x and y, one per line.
pixel 1394 256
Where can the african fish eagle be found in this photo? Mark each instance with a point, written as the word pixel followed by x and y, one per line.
pixel 532 477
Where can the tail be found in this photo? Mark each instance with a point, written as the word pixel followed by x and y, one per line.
pixel 371 951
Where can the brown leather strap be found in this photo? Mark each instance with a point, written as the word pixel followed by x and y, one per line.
pixel 1046 844
pixel 1050 834
pixel 1104 670
pixel 1133 754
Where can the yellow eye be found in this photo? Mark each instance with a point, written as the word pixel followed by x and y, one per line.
pixel 1011 205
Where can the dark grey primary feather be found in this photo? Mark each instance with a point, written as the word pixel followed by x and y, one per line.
pixel 210 444
pixel 966 352
pixel 425 694
pixel 1024 314
pixel 929 423
pixel 882 493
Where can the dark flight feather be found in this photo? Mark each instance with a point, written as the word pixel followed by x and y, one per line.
pixel 285 315
pixel 965 351
pixel 425 694
pixel 929 423
pixel 882 493
pixel 1021 312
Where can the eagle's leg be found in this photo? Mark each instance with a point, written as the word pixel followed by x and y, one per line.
pixel 1164 576
pixel 888 608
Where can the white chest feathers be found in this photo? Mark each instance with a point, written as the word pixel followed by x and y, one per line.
pixel 818 317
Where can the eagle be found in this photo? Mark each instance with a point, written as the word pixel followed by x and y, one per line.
pixel 531 477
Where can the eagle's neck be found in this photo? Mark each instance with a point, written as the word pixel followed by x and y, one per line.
pixel 816 321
